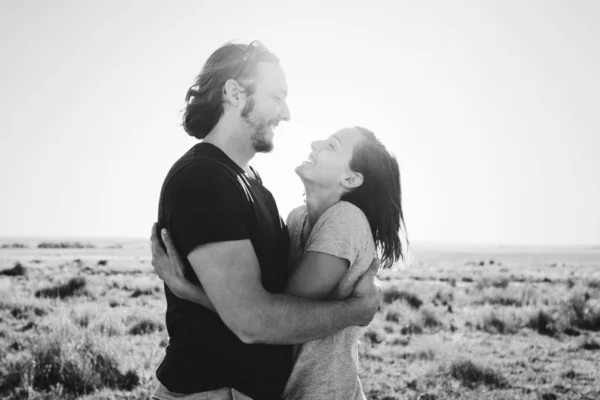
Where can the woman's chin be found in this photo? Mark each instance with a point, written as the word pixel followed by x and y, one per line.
pixel 300 171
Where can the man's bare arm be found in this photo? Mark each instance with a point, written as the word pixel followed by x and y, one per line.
pixel 168 265
pixel 229 273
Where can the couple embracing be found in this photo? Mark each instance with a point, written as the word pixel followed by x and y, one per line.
pixel 259 308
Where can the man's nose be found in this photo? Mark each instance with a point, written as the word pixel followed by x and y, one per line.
pixel 284 112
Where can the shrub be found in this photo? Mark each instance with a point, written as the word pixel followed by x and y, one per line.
pixel 500 283
pixel 13 246
pixel 471 375
pixel 542 322
pixel 589 343
pixel 392 294
pixel 146 326
pixel 496 321
pixel 413 328
pixel 444 296
pixel 109 327
pixel 23 309
pixel 578 311
pixel 65 245
pixel 373 336
pixel 17 270
pixel 594 284
pixel 392 316
pixel 430 319
pixel 79 365
pixel 74 287
pixel 147 291
pixel 422 354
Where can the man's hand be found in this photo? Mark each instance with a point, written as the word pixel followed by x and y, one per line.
pixel 368 291
pixel 167 265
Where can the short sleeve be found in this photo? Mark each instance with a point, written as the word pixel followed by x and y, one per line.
pixel 342 231
pixel 293 218
pixel 206 204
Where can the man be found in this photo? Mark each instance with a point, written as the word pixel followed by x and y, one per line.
pixel 227 225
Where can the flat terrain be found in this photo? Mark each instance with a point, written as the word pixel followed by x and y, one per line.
pixel 493 323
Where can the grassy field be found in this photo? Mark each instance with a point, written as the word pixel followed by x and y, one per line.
pixel 87 323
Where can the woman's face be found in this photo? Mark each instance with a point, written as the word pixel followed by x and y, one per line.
pixel 328 165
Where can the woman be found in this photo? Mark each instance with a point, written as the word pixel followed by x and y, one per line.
pixel 353 211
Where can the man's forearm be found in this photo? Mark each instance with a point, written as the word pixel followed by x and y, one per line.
pixel 190 292
pixel 285 319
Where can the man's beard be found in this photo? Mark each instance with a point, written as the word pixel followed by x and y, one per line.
pixel 259 137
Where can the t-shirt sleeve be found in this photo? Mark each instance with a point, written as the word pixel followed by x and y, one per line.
pixel 342 232
pixel 207 205
pixel 293 218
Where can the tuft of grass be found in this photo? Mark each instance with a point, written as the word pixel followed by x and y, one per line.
pixel 594 284
pixel 495 321
pixel 108 327
pixel 80 365
pixel 146 326
pixel 500 283
pixel 17 270
pixel 392 316
pixel 422 354
pixel 74 287
pixel 145 291
pixel 542 322
pixel 471 375
pixel 589 343
pixel 393 294
pixel 578 311
pixel 373 336
pixel 412 328
pixel 23 309
pixel 444 296
pixel 430 319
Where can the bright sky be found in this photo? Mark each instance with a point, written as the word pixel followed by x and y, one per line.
pixel 491 107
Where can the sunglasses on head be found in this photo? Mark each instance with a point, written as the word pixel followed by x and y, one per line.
pixel 254 48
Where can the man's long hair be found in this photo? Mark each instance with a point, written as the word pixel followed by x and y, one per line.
pixel 379 196
pixel 205 97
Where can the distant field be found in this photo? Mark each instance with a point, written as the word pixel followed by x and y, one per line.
pixel 457 324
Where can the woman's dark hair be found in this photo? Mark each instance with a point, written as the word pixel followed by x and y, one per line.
pixel 379 196
pixel 205 97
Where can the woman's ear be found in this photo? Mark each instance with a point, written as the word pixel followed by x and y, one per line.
pixel 232 92
pixel 352 180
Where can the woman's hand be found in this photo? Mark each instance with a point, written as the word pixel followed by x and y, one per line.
pixel 168 264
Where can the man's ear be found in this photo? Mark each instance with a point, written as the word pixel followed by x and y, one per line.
pixel 352 180
pixel 232 92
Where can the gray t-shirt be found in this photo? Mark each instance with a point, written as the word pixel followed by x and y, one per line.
pixel 327 368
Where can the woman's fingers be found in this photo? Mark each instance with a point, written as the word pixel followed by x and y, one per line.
pixel 156 245
pixel 172 252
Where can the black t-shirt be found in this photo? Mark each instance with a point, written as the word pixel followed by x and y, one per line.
pixel 206 198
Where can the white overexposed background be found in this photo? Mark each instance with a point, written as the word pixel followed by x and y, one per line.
pixel 491 107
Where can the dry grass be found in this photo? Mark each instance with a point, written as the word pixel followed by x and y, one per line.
pixel 17 270
pixel 471 374
pixel 65 358
pixel 452 326
pixel 73 287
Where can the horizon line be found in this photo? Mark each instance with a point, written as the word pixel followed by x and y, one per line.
pixel 420 243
